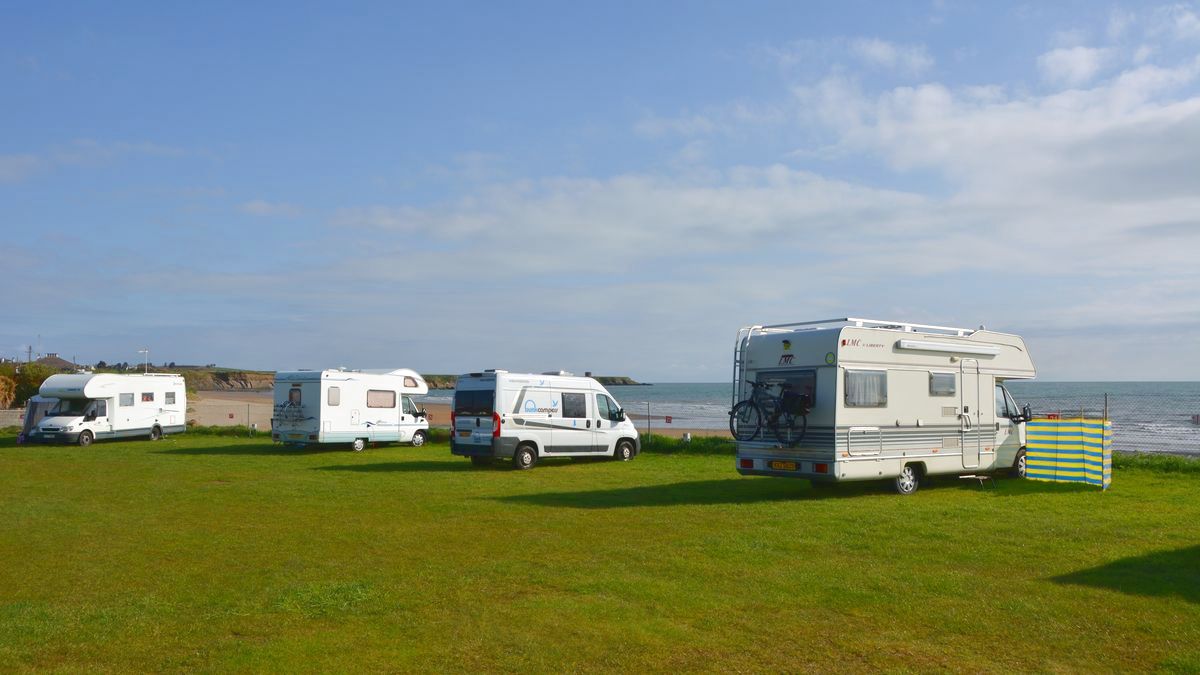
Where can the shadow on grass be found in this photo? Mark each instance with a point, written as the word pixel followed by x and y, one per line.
pixel 1161 574
pixel 1006 486
pixel 700 492
pixel 252 449
pixel 401 467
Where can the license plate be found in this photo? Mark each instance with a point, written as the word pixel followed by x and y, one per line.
pixel 295 437
pixel 464 434
pixel 782 466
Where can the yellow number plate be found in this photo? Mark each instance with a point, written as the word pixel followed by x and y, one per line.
pixel 782 466
pixel 464 434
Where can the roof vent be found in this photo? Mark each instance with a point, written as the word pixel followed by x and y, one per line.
pixel 560 373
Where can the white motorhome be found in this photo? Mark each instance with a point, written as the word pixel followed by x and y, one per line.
pixel 349 406
pixel 524 416
pixel 85 407
pixel 883 400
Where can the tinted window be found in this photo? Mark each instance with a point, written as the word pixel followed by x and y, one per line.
pixel 378 398
pixel 169 398
pixel 294 396
pixel 473 402
pixel 1001 404
pixel 101 408
pixel 334 396
pixel 941 384
pixel 574 405
pixel 126 400
pixel 603 410
pixel 791 386
pixel 866 388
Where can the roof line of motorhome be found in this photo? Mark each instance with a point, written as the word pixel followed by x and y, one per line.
pixel 871 323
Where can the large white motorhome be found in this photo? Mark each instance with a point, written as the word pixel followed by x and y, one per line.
pixel 877 400
pixel 84 407
pixel 523 416
pixel 349 406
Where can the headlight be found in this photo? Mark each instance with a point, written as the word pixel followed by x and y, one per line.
pixel 69 427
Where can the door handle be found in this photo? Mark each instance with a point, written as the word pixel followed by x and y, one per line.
pixel 589 424
pixel 597 424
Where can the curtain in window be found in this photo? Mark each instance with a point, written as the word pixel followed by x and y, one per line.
pixel 866 388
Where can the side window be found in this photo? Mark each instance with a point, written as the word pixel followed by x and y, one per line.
pixel 101 408
pixel 148 397
pixel 169 398
pixel 333 396
pixel 378 398
pixel 1012 404
pixel 866 388
pixel 796 388
pixel 602 407
pixel 1001 404
pixel 410 381
pixel 294 396
pixel 126 400
pixel 941 384
pixel 410 408
pixel 574 405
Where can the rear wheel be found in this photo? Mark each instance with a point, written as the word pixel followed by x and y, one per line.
pixel 86 438
pixel 418 439
pixel 155 433
pixel 1018 469
pixel 525 458
pixel 359 444
pixel 624 451
pixel 745 421
pixel 481 461
pixel 909 480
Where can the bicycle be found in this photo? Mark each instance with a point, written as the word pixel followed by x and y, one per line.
pixel 785 415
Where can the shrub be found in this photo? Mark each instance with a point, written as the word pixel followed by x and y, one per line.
pixel 8 391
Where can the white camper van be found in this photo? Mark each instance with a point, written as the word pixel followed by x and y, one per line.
pixel 858 399
pixel 498 414
pixel 84 407
pixel 349 406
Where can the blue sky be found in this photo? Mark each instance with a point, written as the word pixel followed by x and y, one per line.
pixel 614 187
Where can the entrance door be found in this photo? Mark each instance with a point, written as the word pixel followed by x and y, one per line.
pixel 605 435
pixel 573 433
pixel 969 416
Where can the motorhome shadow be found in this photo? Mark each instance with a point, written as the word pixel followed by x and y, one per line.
pixel 859 399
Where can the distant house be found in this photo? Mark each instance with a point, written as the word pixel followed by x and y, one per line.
pixel 54 361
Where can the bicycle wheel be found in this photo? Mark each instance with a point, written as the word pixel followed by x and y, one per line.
pixel 745 421
pixel 789 430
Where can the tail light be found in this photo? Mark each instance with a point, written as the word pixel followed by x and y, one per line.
pixel 452 416
pixel 746 463
pixel 821 468
pixel 495 425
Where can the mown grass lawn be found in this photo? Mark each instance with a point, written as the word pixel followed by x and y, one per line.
pixel 209 553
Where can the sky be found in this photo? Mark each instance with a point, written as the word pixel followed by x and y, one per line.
pixel 613 187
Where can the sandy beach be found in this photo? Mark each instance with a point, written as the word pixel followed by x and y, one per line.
pixel 244 407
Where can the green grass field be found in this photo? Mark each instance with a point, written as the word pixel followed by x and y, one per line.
pixel 215 553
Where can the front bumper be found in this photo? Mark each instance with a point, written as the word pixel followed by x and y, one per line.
pixel 52 437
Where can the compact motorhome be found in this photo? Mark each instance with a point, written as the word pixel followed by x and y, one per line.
pixel 85 407
pixel 882 400
pixel 522 416
pixel 349 406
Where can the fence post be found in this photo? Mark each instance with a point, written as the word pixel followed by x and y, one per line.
pixel 647 421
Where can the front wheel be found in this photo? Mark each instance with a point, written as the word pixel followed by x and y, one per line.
pixel 1018 468
pixel 418 439
pixel 624 451
pixel 86 438
pixel 908 481
pixel 745 421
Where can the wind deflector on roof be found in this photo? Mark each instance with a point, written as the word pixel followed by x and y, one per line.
pixel 949 347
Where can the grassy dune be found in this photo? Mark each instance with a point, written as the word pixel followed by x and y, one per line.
pixel 208 552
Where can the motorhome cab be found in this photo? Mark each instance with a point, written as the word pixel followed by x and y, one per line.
pixel 84 407
pixel 349 406
pixel 523 417
pixel 889 400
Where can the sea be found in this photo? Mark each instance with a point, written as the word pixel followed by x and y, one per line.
pixel 1161 417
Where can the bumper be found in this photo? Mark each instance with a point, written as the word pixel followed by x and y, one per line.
pixel 53 437
pixel 503 448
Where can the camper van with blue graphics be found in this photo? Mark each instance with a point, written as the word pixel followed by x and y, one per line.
pixel 351 407
pixel 859 399
pixel 524 417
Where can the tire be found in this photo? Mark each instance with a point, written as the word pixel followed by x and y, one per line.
pixel 524 458
pixel 481 461
pixel 1018 467
pixel 418 439
pixel 358 444
pixel 790 435
pixel 624 451
pixel 745 421
pixel 156 433
pixel 85 438
pixel 909 480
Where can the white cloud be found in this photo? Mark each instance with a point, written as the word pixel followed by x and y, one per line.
pixel 1072 66
pixel 15 168
pixel 880 53
pixel 259 207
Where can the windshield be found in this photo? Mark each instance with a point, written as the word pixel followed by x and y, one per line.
pixel 476 402
pixel 69 407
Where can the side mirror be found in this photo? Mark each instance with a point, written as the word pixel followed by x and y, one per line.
pixel 89 417
pixel 1026 413
pixel 620 416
